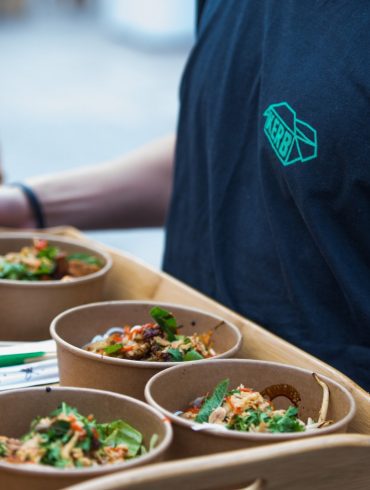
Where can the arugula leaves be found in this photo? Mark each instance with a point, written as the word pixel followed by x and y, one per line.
pixel 166 321
pixel 212 402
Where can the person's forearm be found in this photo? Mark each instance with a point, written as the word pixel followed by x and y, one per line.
pixel 132 191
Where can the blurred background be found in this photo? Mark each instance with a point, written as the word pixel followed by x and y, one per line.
pixel 83 81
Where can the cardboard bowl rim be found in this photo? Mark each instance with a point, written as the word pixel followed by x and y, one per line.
pixel 57 283
pixel 49 471
pixel 139 364
pixel 254 436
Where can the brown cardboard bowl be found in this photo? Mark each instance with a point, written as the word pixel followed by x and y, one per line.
pixel 76 327
pixel 173 390
pixel 19 407
pixel 27 307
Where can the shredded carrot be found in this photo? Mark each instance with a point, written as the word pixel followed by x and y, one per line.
pixel 232 406
pixel 76 426
pixel 127 348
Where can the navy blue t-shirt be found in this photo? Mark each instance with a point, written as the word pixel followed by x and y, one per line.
pixel 271 203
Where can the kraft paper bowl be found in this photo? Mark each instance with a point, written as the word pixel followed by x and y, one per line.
pixel 19 407
pixel 28 307
pixel 76 327
pixel 174 389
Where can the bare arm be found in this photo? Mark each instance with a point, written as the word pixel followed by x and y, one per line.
pixel 132 191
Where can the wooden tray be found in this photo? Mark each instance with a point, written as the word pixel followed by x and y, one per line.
pixel 326 462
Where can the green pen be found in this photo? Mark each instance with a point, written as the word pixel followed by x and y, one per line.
pixel 21 353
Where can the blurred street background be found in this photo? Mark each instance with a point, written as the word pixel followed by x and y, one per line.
pixel 83 81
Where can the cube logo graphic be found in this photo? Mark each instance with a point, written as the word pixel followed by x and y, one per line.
pixel 292 140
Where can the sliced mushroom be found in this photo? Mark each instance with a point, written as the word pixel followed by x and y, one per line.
pixel 325 400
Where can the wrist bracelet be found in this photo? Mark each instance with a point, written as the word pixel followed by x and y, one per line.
pixel 34 203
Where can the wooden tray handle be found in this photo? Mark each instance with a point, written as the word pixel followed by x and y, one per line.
pixel 256 485
pixel 334 462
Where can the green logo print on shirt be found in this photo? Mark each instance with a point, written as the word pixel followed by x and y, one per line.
pixel 291 139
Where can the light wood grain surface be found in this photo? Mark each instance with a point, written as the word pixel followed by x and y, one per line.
pixel 336 462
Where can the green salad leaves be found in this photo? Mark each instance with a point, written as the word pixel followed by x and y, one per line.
pixel 66 438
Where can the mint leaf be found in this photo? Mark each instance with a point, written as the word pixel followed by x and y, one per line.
pixel 166 321
pixel 212 402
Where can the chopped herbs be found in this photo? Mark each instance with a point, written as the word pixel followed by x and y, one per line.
pixel 287 422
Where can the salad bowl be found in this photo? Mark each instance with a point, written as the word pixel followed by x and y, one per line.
pixel 28 305
pixel 286 388
pixel 20 407
pixel 74 329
